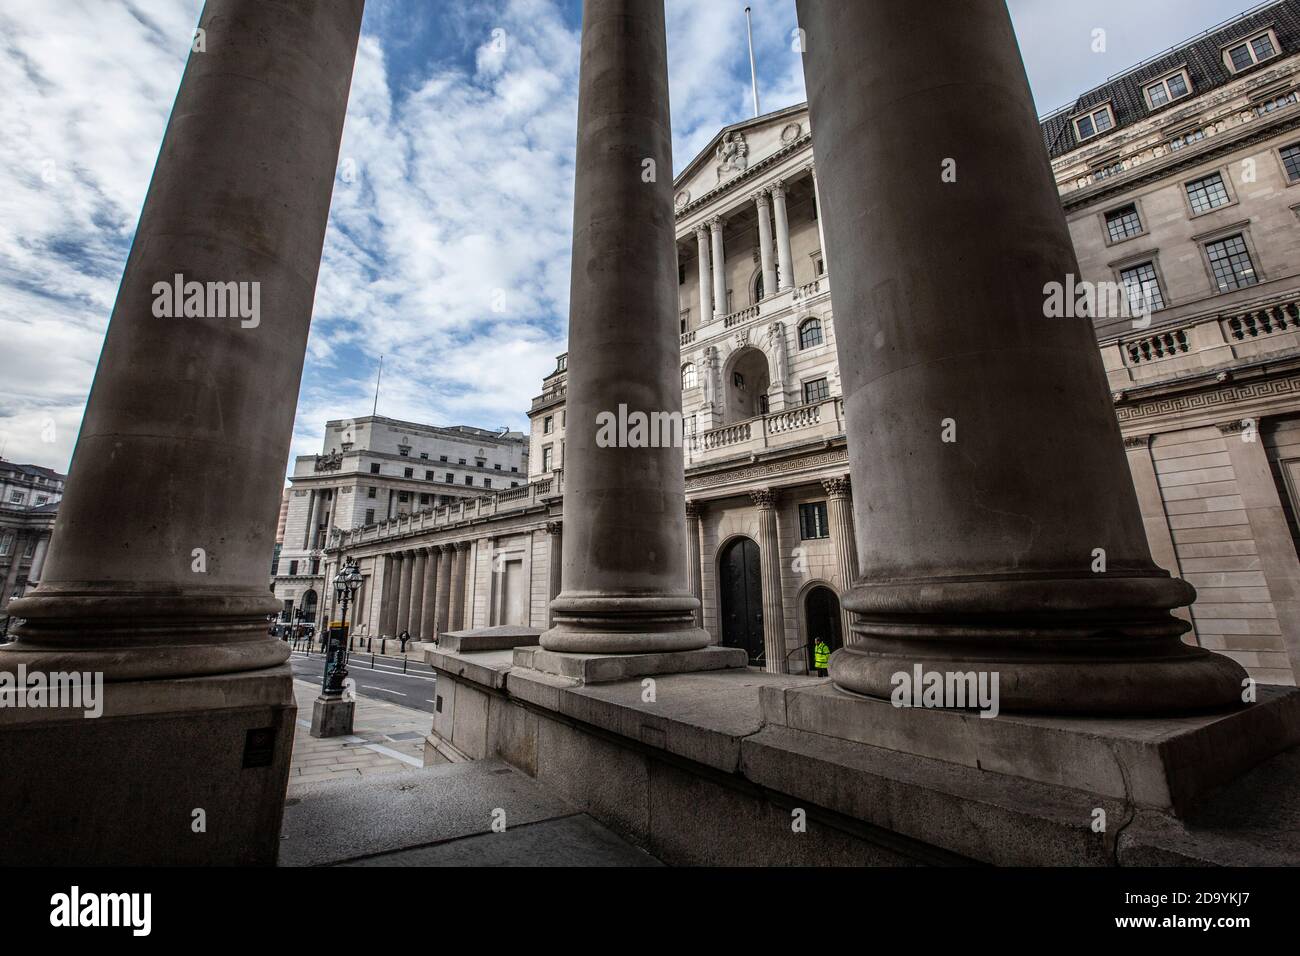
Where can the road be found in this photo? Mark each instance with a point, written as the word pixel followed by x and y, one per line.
pixel 385 681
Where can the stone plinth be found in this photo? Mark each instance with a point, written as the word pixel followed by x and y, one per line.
pixel 502 637
pixel 332 717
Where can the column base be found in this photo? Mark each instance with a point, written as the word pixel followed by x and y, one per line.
pixel 332 717
pixel 1102 645
pixel 632 624
pixel 174 772
pixel 608 668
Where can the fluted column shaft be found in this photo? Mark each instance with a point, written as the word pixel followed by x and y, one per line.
pixel 417 593
pixel 988 470
pixel 763 205
pixel 555 565
pixel 442 619
pixel 839 513
pixel 706 275
pixel 769 549
pixel 38 559
pixel 461 559
pixel 784 255
pixel 429 595
pixel 720 306
pixel 693 569
pixel 392 588
pixel 624 499
pixel 403 621
pixel 179 463
pixel 821 226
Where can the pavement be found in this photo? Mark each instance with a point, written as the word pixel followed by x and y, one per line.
pixel 407 683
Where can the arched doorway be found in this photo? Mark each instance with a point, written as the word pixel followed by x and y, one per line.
pixel 822 620
pixel 740 587
pixel 309 606
pixel 746 385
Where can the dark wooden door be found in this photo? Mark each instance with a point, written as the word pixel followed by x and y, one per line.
pixel 740 584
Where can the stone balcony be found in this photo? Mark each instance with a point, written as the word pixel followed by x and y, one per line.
pixel 771 309
pixel 801 424
pixel 535 494
pixel 1234 333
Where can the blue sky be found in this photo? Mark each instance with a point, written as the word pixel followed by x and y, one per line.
pixel 448 246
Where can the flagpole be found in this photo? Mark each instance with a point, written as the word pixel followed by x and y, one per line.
pixel 375 411
pixel 753 67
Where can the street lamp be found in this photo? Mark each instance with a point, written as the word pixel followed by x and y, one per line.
pixel 331 715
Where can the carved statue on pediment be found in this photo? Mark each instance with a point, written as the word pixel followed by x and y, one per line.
pixel 732 154
pixel 780 358
pixel 331 462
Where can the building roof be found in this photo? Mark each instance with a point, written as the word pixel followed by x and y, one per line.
pixel 1201 56
pixel 33 471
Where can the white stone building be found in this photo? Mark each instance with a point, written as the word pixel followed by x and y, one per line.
pixel 29 503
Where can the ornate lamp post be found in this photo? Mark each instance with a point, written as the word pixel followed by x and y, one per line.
pixel 332 715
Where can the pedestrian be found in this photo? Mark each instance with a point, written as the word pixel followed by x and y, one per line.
pixel 404 637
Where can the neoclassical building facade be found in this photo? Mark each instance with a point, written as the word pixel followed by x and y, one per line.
pixel 29 503
pixel 1178 179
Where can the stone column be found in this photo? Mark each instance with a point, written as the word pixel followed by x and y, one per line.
pixel 392 587
pixel 1263 506
pixel 38 559
pixel 180 457
pixel 403 621
pixel 313 520
pixel 706 275
pixel 693 570
pixel 417 592
pixel 763 204
pixel 554 565
pixel 16 558
pixel 821 229
pixel 458 568
pixel 720 306
pixel 429 595
pixel 987 463
pixel 442 622
pixel 624 507
pixel 769 547
pixel 839 513
pixel 784 256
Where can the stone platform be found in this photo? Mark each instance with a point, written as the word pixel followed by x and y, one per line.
pixel 720 767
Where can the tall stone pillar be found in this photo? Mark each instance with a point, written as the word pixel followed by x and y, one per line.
pixel 821 228
pixel 442 620
pixel 392 587
pixel 988 473
pixel 720 306
pixel 624 507
pixel 554 566
pixel 429 595
pixel 417 592
pixel 15 559
pixel 313 521
pixel 38 559
pixel 157 568
pixel 403 622
pixel 769 548
pixel 461 559
pixel 767 257
pixel 706 275
pixel 839 513
pixel 784 255
pixel 693 570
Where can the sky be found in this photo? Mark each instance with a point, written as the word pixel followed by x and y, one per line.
pixel 447 250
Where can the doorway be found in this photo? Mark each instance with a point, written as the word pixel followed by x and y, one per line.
pixel 822 620
pixel 740 586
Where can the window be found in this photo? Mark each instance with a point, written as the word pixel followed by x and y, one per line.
pixel 408 472
pixel 403 496
pixel 6 543
pixel 374 468
pixel 370 516
pixel 428 476
pixel 42 499
pixel 424 455
pixel 370 492
pixel 1173 87
pixel 496 467
pixel 1258 48
pixel 424 499
pixel 514 484
pixel 1094 122
pixel 487 482
pixel 548 424
pixel 547 457
pixel 293 567
pixel 1291 162
pixel 820 263
pixel 1123 223
pixel 810 334
pixel 442 457
pixel 404 450
pixel 689 378
pixel 1143 289
pixel 1230 262
pixel 816 391
pixel 16 497
pixel 461 462
pixel 469 479
pixel 451 479
pixel 813 522
pixel 1186 139
pixel 1207 193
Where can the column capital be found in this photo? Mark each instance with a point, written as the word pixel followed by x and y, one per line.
pixel 765 498
pixel 694 509
pixel 1136 441
pixel 554 527
pixel 461 545
pixel 837 487
pixel 445 548
pixel 778 189
pixel 1236 426
pixel 761 198
pixel 717 223
pixel 702 231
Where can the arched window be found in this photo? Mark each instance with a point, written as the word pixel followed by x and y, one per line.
pixel 688 376
pixel 810 333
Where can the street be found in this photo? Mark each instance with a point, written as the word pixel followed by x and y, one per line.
pixel 383 680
